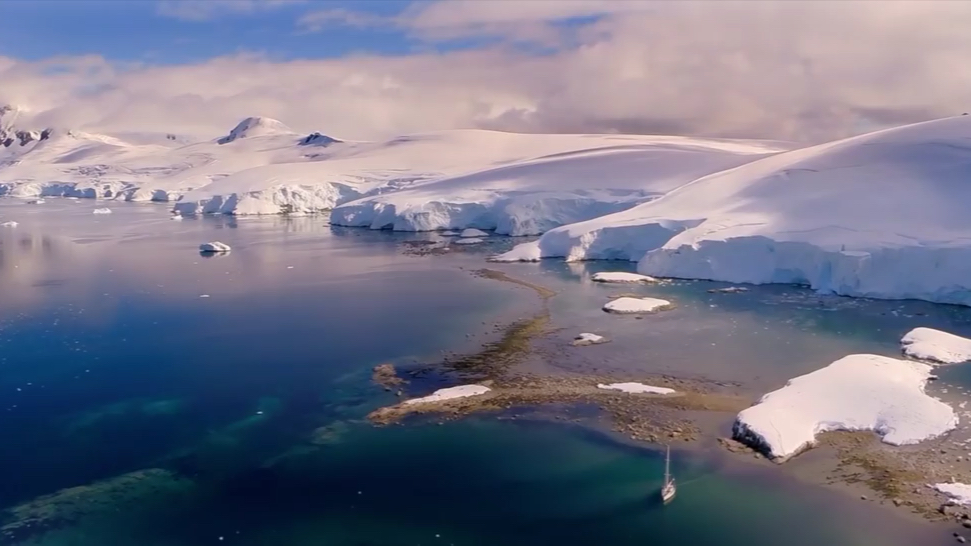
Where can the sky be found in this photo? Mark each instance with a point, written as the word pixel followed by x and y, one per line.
pixel 805 71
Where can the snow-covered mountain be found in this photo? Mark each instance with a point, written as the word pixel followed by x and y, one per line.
pixel 883 215
pixel 520 184
pixel 13 136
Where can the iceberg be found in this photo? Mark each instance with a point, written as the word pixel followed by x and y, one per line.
pixel 635 388
pixel 214 247
pixel 451 393
pixel 857 392
pixel 621 277
pixel 629 305
pixel 468 241
pixel 472 232
pixel 936 346
pixel 797 217
pixel 101 211
pixel 10 223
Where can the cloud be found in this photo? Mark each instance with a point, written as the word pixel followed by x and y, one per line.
pixel 789 70
pixel 315 21
pixel 205 10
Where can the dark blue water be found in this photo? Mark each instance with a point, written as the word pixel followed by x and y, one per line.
pixel 136 411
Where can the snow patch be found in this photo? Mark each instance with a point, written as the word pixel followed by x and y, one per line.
pixel 636 388
pixel 857 392
pixel 588 339
pixel 936 346
pixel 621 277
pixel 451 393
pixel 627 305
pixel 960 493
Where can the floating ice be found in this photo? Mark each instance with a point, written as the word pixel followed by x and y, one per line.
pixel 214 247
pixel 636 305
pixel 621 277
pixel 936 346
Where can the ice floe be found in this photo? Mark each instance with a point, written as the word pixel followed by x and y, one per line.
pixel 621 277
pixel 214 247
pixel 936 346
pixel 636 305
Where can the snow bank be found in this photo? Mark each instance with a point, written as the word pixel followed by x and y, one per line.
pixel 588 339
pixel 451 393
pixel 857 392
pixel 101 211
pixel 468 241
pixel 472 232
pixel 960 493
pixel 636 388
pixel 796 217
pixel 936 346
pixel 214 246
pixel 636 305
pixel 621 277
pixel 529 184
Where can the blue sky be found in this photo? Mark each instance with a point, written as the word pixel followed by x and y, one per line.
pixel 139 30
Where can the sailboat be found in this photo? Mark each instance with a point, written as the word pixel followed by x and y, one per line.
pixel 669 489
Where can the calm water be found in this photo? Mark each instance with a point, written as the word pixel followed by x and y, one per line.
pixel 237 418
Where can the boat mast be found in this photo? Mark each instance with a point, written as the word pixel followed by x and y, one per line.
pixel 667 467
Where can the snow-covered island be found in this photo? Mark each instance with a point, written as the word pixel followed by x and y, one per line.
pixel 629 305
pixel 450 393
pixel 635 388
pixel 936 346
pixel 857 392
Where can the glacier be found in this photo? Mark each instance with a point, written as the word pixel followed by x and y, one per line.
pixel 880 215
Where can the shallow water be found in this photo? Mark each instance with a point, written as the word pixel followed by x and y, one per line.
pixel 761 337
pixel 251 400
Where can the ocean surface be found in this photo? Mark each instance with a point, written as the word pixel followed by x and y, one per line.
pixel 152 396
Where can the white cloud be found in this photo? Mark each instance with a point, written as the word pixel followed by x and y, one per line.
pixel 205 10
pixel 788 69
pixel 316 21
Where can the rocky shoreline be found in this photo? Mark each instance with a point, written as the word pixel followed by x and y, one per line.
pixel 855 463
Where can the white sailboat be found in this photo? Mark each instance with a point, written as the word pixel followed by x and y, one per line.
pixel 669 489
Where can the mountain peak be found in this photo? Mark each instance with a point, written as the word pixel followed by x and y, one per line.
pixel 318 139
pixel 10 134
pixel 255 126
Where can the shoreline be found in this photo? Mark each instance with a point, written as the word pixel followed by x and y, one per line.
pixel 855 464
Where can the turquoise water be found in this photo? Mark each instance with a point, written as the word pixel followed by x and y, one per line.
pixel 761 337
pixel 136 411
